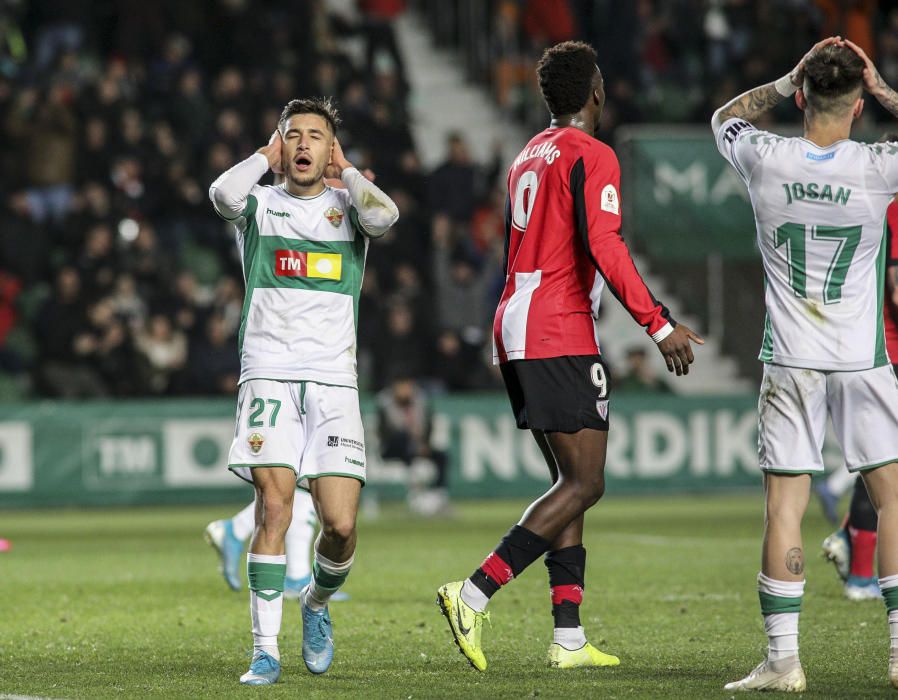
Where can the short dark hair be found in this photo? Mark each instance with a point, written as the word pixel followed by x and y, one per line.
pixel 889 136
pixel 565 74
pixel 832 73
pixel 322 106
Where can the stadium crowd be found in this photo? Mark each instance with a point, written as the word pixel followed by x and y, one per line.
pixel 116 279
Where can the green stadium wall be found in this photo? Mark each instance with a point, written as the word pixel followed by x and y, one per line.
pixel 171 451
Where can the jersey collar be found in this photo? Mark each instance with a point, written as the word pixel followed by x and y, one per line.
pixel 283 188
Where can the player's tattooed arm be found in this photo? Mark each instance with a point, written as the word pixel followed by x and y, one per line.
pixel 873 82
pixel 749 105
pixel 795 561
pixel 752 104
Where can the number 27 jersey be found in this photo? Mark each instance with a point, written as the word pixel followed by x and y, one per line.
pixel 820 220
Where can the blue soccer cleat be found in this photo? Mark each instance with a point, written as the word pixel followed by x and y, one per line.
pixel 862 588
pixel 220 534
pixel 264 670
pixel 317 638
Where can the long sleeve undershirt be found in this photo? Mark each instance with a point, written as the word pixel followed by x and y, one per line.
pixel 376 211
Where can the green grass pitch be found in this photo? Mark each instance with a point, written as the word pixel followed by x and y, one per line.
pixel 128 603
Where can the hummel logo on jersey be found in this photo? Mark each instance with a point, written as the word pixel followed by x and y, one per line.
pixel 298 263
pixel 733 130
pixel 282 214
pixel 334 216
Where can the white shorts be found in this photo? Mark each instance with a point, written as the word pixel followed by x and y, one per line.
pixel 792 414
pixel 314 429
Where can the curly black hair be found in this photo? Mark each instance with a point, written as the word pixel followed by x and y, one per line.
pixel 322 106
pixel 565 74
pixel 832 73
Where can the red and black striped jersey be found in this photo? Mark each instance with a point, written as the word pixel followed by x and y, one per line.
pixel 563 243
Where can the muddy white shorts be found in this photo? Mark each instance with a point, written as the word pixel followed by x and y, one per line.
pixel 313 429
pixel 792 413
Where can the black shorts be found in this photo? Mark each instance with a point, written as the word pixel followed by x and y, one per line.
pixel 559 394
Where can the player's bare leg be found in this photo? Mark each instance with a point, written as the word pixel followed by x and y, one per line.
pixel 266 568
pixel 566 564
pixel 781 584
pixel 578 464
pixel 882 485
pixel 337 502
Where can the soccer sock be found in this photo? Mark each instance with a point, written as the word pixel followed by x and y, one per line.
pixel 566 582
pixel 266 601
pixel 244 522
pixel 863 549
pixel 298 540
pixel 889 587
pixel 780 606
pixel 517 550
pixel 327 577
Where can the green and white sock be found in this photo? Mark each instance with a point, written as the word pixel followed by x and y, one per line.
pixel 889 587
pixel 780 606
pixel 327 577
pixel 266 574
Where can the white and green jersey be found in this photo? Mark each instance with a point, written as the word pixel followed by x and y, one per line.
pixel 820 216
pixel 303 261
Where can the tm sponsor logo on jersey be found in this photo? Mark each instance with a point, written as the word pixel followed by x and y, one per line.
pixel 543 150
pixel 797 192
pixel 297 263
pixel 282 214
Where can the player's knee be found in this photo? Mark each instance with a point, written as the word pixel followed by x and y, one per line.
pixel 593 490
pixel 277 512
pixel 340 530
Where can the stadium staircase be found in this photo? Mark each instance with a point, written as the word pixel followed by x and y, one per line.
pixel 441 95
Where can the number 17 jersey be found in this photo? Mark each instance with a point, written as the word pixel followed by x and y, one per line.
pixel 820 219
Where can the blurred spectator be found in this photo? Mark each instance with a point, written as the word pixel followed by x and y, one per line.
pixel 405 425
pixel 164 349
pixel 379 16
pixel 640 375
pixel 457 185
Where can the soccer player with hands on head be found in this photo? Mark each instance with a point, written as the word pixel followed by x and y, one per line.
pixel 303 245
pixel 563 246
pixel 819 203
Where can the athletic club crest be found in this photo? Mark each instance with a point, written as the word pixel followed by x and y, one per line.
pixel 255 443
pixel 334 216
pixel 602 409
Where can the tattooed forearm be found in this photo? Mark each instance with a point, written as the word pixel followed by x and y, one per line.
pixel 795 561
pixel 887 97
pixel 750 105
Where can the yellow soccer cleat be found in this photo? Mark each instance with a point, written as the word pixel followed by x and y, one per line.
pixel 584 657
pixel 465 623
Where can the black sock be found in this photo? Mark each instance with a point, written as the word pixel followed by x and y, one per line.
pixel 861 513
pixel 567 568
pixel 517 550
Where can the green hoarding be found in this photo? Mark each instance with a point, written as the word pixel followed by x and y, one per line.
pixel 104 453
pixel 681 199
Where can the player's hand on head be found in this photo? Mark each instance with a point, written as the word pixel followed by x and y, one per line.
pixel 273 151
pixel 872 79
pixel 677 349
pixel 797 73
pixel 338 162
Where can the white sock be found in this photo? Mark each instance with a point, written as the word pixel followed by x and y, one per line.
pixel 299 535
pixel 244 522
pixel 327 577
pixel 266 605
pixel 473 596
pixel 886 583
pixel 570 638
pixel 781 627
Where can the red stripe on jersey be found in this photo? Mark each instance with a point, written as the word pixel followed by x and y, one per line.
pixel 562 226
pixel 890 310
pixel 496 568
pixel 572 593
